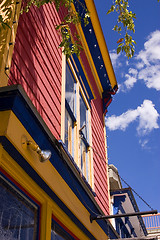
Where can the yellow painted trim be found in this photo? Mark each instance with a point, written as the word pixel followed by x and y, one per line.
pixel 73 71
pixel 91 173
pixel 3 124
pixel 7 36
pixel 101 41
pixel 48 207
pixel 77 142
pixel 65 220
pixel 20 176
pixel 46 219
pixel 75 65
pixel 13 130
pixel 77 81
pixel 77 155
pixel 90 60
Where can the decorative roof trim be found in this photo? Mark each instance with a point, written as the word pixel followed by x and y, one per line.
pixel 101 41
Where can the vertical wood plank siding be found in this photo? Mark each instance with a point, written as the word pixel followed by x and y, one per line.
pixel 37 63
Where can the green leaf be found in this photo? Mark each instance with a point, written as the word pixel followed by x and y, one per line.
pixel 119 50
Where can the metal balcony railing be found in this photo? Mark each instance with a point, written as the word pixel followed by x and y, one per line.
pixel 152 221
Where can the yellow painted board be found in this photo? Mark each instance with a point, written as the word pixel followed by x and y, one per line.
pixel 101 41
pixel 49 174
pixel 48 207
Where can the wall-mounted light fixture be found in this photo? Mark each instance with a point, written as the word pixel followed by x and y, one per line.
pixel 45 155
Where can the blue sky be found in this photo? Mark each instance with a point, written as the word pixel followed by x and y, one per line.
pixel 133 118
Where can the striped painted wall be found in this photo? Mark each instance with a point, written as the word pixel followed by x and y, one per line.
pixel 39 71
pixel 100 168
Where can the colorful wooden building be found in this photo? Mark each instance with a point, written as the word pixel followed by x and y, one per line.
pixel 122 203
pixel 50 103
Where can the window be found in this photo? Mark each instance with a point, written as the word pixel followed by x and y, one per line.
pixel 77 116
pixel 84 138
pixel 59 233
pixel 18 215
pixel 70 89
pixel 83 118
pixel 70 109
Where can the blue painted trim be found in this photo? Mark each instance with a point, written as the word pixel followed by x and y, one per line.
pixel 121 229
pixel 131 197
pixel 117 203
pixel 94 47
pixel 14 98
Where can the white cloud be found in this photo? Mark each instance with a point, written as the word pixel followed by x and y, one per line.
pixel 147 65
pixel 146 115
pixel 131 78
pixel 151 76
pixel 121 122
pixel 130 81
pixel 151 52
pixel 115 58
pixel 139 65
pixel 149 61
pixel 144 143
pixel 133 71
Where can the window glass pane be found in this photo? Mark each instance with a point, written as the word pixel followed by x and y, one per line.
pixel 84 159
pixel 69 94
pixel 83 117
pixel 58 233
pixel 68 131
pixel 18 216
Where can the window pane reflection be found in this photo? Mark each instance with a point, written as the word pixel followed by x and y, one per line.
pixel 18 216
pixel 68 132
pixel 84 160
pixel 69 95
pixel 58 233
pixel 83 117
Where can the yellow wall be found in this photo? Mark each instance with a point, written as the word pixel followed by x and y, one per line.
pixel 13 130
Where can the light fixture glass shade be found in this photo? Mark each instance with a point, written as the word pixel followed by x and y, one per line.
pixel 45 155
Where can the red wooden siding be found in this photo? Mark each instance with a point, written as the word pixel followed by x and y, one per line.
pixel 100 167
pixel 37 66
pixel 37 63
pixel 98 143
